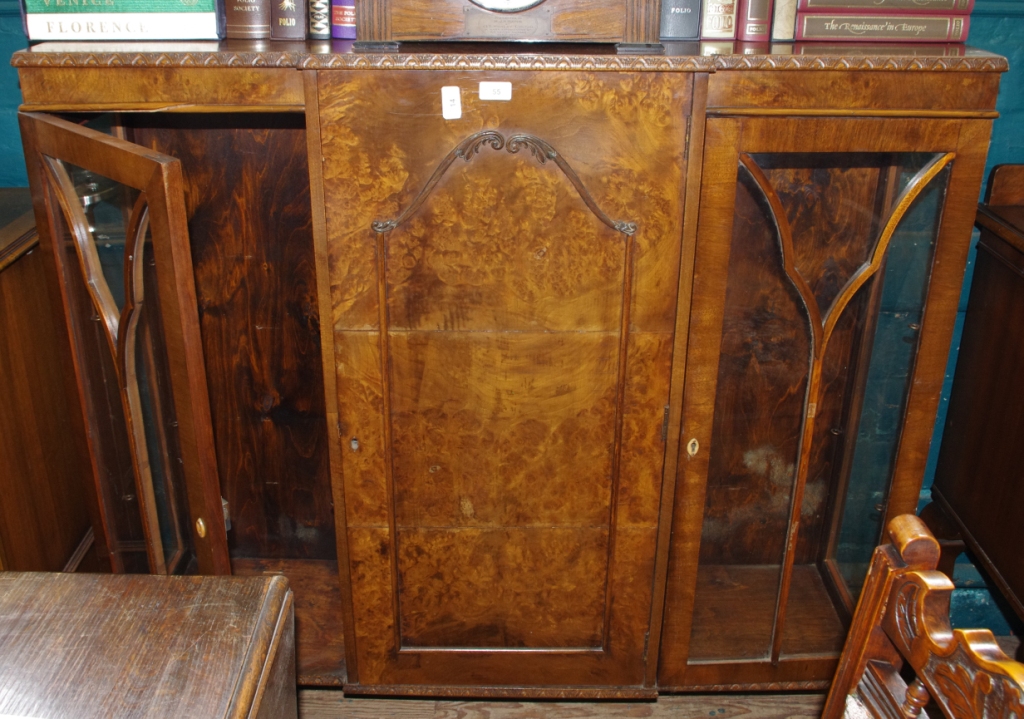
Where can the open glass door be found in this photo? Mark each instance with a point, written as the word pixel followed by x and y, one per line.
pixel 112 218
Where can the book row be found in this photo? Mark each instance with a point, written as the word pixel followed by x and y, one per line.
pixel 930 21
pixel 189 19
pixel 817 20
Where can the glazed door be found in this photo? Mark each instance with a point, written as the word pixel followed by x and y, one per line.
pixel 502 295
pixel 828 265
pixel 112 218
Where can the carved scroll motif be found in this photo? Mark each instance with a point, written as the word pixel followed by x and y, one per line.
pixel 541 151
pixel 822 322
pixel 120 331
pixel 906 614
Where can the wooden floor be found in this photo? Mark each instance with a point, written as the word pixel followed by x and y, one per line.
pixel 327 703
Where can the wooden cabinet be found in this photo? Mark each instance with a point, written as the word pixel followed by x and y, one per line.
pixel 977 480
pixel 44 510
pixel 602 389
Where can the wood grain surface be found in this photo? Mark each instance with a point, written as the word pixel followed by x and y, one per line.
pixel 321 704
pixel 43 459
pixel 319 635
pixel 505 332
pixel 251 236
pixel 976 479
pixel 102 645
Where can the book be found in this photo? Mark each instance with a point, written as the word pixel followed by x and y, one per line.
pixel 343 19
pixel 753 20
pixel 784 21
pixel 248 19
pixel 319 19
pixel 878 7
pixel 867 49
pixel 288 20
pixel 886 28
pixel 124 20
pixel 680 19
pixel 718 20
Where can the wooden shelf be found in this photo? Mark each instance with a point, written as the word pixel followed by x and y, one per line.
pixel 732 616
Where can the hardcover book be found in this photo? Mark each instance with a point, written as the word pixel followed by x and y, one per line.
pixel 718 20
pixel 123 20
pixel 904 7
pixel 288 20
pixel 754 19
pixel 248 19
pixel 784 20
pixel 319 19
pixel 680 19
pixel 885 28
pixel 343 19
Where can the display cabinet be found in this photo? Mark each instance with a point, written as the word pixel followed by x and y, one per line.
pixel 821 243
pixel 542 374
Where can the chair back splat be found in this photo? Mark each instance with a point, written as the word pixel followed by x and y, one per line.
pixel 901 632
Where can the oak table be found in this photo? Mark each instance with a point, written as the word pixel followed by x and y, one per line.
pixel 90 645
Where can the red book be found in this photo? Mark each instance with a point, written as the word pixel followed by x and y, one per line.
pixel 883 7
pixel 846 27
pixel 754 20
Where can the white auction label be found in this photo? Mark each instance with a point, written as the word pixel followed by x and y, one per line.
pixel 495 90
pixel 451 102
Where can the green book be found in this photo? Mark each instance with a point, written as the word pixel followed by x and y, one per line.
pixel 124 19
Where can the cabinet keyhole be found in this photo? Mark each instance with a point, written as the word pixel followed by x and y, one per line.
pixel 692 447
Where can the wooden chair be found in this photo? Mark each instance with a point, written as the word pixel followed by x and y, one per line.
pixel 902 624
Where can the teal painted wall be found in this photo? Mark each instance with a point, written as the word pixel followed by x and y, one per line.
pixel 12 39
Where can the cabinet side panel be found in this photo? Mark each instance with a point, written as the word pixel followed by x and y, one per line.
pixel 42 472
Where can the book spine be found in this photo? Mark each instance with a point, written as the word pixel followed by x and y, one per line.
pixel 288 20
pixel 680 19
pixel 248 19
pixel 123 26
pixel 319 19
pixel 877 7
pixel 343 19
pixel 886 28
pixel 755 19
pixel 718 20
pixel 784 21
pixel 120 7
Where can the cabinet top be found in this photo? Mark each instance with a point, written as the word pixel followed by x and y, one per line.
pixel 679 57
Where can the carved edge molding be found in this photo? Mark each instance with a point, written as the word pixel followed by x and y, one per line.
pixel 591 63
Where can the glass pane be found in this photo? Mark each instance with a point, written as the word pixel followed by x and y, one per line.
pixel 818 340
pixel 115 276
pixel 104 412
pixel 894 346
pixel 762 380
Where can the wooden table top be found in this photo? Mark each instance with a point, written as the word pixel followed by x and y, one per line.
pixel 1007 221
pixel 96 645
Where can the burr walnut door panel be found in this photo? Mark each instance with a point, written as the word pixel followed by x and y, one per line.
pixel 502 302
pixel 828 263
